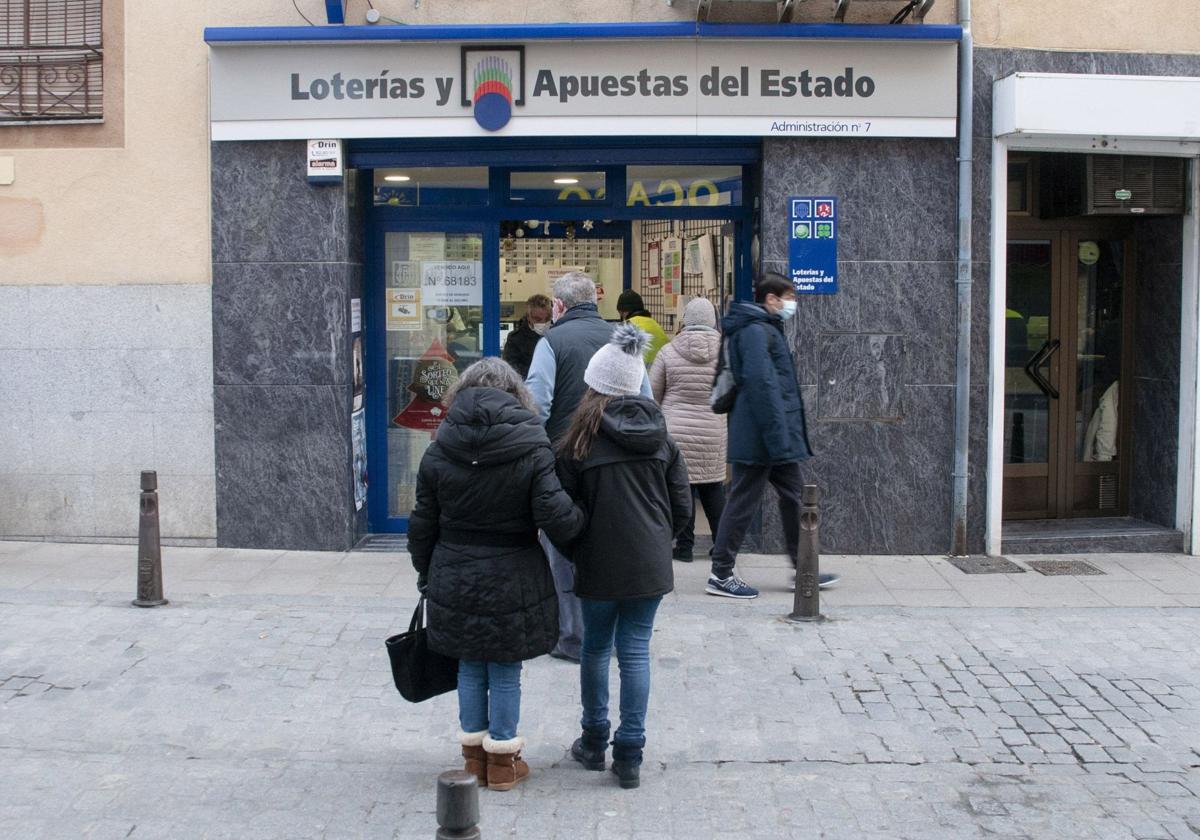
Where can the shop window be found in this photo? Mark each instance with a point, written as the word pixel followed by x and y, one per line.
pixel 557 187
pixel 683 186
pixel 51 61
pixel 434 186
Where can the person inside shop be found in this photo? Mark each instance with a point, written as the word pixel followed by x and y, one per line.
pixel 682 380
pixel 518 348
pixel 768 437
pixel 631 308
pixel 484 488
pixel 620 465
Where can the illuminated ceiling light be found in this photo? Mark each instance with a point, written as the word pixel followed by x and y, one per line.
pixel 566 180
pixel 400 178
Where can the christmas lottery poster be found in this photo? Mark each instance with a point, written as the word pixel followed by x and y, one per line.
pixel 431 377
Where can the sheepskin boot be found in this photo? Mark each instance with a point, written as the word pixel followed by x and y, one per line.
pixel 476 758
pixel 591 747
pixel 627 762
pixel 504 765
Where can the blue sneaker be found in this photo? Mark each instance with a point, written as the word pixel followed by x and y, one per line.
pixel 730 587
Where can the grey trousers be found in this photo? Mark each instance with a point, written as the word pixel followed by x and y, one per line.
pixel 570 614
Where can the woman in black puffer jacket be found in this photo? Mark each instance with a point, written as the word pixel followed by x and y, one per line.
pixel 484 488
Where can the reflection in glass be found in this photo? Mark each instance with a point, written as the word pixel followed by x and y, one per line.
pixel 434 326
pixel 1098 316
pixel 1027 320
pixel 683 186
pixel 431 186
pixel 557 187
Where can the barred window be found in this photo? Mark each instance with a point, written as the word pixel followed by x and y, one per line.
pixel 51 61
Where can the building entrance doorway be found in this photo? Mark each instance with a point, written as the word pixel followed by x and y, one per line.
pixel 1068 366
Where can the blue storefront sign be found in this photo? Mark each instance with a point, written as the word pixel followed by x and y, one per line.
pixel 812 244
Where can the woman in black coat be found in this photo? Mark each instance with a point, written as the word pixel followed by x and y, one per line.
pixel 484 488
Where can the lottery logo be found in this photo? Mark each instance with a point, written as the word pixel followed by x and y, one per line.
pixel 824 209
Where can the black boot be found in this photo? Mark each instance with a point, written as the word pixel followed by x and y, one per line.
pixel 627 763
pixel 590 748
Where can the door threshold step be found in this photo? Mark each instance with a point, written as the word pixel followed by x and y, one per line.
pixel 1116 535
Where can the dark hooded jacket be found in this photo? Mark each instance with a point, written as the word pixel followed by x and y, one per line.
pixel 767 423
pixel 634 488
pixel 484 488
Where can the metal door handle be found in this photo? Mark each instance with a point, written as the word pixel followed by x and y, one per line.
pixel 1032 368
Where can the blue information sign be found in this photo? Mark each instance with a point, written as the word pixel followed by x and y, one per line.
pixel 812 244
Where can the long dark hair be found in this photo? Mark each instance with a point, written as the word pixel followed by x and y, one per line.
pixel 585 423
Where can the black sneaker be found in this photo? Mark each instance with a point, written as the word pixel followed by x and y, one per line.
pixel 730 587
pixel 683 555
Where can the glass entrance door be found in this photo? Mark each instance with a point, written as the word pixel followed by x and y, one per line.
pixel 1066 362
pixel 437 318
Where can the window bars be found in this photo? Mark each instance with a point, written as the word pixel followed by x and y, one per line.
pixel 51 61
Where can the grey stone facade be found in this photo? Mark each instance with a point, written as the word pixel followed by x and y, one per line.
pixel 287 259
pixel 876 361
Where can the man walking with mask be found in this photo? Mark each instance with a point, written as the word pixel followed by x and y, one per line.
pixel 768 437
pixel 556 381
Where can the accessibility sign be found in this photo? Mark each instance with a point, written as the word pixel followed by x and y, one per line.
pixel 812 244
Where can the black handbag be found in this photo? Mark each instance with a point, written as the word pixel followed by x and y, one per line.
pixel 420 673
pixel 725 387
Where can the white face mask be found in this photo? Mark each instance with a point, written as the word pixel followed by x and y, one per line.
pixel 540 329
pixel 789 309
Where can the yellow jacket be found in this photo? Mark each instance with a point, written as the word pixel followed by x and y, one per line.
pixel 658 338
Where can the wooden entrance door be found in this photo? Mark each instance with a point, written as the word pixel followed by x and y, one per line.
pixel 1068 361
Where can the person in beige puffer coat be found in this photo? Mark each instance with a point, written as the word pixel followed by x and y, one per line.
pixel 681 379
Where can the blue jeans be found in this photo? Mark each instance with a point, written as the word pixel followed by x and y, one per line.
pixel 489 697
pixel 629 623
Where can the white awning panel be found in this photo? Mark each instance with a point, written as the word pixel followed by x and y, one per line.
pixel 1130 114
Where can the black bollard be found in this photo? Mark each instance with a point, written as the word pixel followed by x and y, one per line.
pixel 149 566
pixel 457 806
pixel 806 605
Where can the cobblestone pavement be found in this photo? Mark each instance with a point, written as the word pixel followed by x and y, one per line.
pixel 270 716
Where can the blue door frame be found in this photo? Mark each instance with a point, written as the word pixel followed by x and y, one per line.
pixel 486 221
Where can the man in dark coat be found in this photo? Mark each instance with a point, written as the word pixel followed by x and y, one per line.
pixel 556 381
pixel 519 346
pixel 768 437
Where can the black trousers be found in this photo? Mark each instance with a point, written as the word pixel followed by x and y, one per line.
pixel 745 493
pixel 712 497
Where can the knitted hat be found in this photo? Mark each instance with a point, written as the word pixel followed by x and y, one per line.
pixel 630 301
pixel 699 312
pixel 617 368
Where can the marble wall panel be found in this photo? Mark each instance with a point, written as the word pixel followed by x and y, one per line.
pixel 283 466
pixel 1158 292
pixel 896 196
pixel 885 486
pixel 862 376
pixel 265 210
pixel 280 323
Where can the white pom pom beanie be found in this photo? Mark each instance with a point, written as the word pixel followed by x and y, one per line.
pixel 617 368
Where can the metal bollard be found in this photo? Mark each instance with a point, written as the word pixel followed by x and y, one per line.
pixel 149 566
pixel 806 605
pixel 457 806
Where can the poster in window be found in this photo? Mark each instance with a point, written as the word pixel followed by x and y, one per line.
pixel 403 309
pixel 358 438
pixel 654 263
pixel 672 266
pixel 428 380
pixel 445 283
pixel 406 274
pixel 357 379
